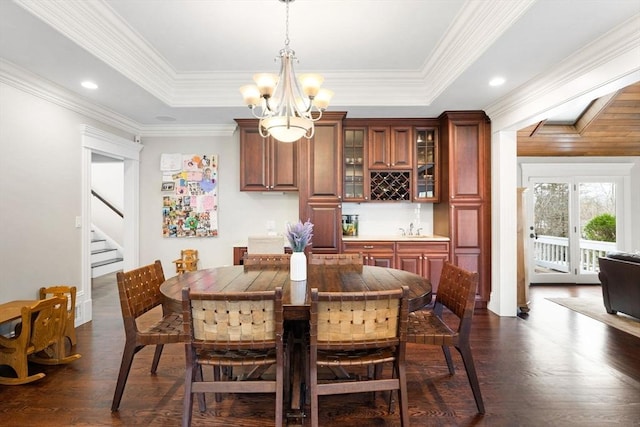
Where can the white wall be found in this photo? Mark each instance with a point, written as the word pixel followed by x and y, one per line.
pixel 240 214
pixel 386 219
pixel 41 186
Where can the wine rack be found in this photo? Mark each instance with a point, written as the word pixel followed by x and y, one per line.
pixel 391 185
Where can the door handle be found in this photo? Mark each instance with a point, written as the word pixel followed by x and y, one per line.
pixel 533 236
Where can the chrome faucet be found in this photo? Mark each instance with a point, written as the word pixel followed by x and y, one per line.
pixel 411 229
pixel 404 233
pixel 418 231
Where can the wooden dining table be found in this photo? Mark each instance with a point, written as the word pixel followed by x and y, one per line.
pixel 296 299
pixel 296 294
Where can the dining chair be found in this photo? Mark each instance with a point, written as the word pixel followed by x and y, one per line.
pixel 139 292
pixel 336 259
pixel 358 329
pixel 188 261
pixel 70 293
pixel 38 338
pixel 260 261
pixel 243 329
pixel 456 292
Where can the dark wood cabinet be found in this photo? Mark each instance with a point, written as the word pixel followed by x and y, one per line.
pixel 321 183
pixel 426 174
pixel 386 160
pixel 390 146
pixel 376 253
pixel 266 164
pixel 355 187
pixel 423 258
pixel 464 212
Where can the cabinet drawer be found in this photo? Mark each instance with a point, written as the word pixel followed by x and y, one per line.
pixel 423 247
pixel 369 246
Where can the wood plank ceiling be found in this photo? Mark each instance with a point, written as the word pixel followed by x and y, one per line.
pixel 610 126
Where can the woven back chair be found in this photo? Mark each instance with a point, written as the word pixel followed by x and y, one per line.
pixel 139 292
pixel 70 293
pixel 358 329
pixel 188 261
pixel 336 259
pixel 232 330
pixel 456 292
pixel 38 337
pixel 262 261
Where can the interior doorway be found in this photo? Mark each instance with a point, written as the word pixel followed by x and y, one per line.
pixel 96 141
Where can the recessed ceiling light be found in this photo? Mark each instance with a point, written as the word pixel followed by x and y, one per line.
pixel 89 85
pixel 497 81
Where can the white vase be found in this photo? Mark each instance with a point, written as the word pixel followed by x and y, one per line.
pixel 298 266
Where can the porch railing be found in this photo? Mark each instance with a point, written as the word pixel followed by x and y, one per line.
pixel 552 253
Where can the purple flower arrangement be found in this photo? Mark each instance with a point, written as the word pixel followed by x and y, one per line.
pixel 299 235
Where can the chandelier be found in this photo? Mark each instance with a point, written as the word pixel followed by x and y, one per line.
pixel 287 107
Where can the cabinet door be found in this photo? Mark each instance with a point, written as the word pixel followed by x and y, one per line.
pixel 266 164
pixel 467 161
pixel 254 160
pixel 432 268
pixel 325 162
pixel 467 240
pixel 401 147
pixel 327 227
pixel 378 147
pixel 411 262
pixel 283 167
pixel 426 173
pixel 356 182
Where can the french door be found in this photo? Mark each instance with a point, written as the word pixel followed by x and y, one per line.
pixel 571 222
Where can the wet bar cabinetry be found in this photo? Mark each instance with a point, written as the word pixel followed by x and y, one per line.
pixel 267 164
pixel 387 160
pixel 423 256
pixel 464 211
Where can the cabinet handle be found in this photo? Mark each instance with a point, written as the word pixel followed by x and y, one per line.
pixel 368 246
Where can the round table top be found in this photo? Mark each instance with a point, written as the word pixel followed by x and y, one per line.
pixel 326 278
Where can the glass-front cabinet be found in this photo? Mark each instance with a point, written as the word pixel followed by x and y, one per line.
pixel 426 166
pixel 354 157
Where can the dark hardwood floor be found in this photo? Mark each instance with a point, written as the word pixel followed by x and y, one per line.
pixel 553 367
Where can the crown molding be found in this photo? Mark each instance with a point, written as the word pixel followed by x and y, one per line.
pixel 476 27
pixel 611 58
pixel 30 83
pixel 186 130
pixel 33 84
pixel 94 26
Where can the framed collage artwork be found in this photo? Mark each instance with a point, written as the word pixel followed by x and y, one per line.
pixel 189 195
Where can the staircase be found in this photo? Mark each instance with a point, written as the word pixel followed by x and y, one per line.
pixel 106 257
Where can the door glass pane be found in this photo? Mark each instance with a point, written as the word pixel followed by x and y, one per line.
pixel 597 204
pixel 551 228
